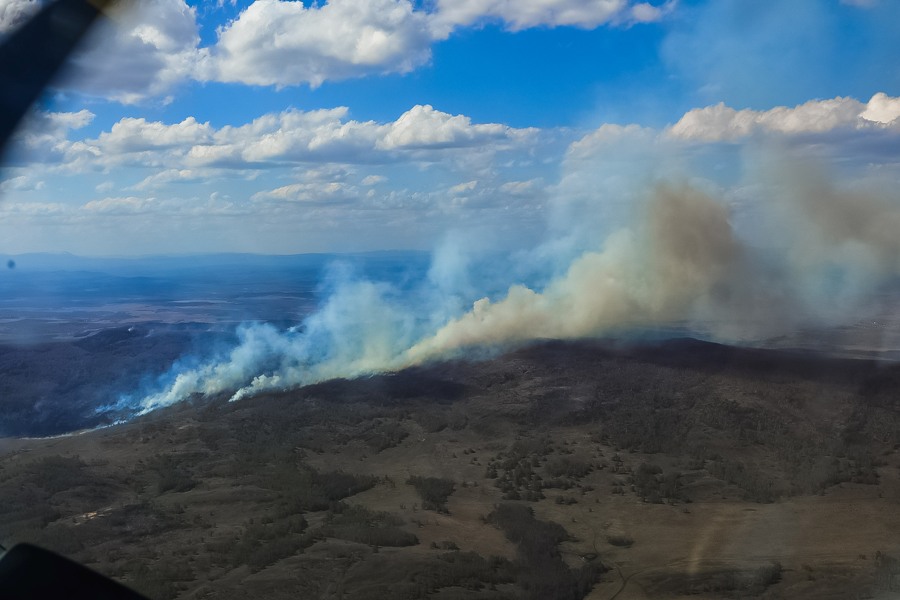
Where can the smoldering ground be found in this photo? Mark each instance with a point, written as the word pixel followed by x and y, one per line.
pixel 681 263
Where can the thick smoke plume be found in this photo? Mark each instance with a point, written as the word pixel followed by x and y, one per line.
pixel 684 257
pixel 682 265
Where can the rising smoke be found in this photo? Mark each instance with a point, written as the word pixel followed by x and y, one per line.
pixel 682 264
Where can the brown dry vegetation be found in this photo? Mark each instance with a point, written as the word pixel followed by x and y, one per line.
pixel 558 471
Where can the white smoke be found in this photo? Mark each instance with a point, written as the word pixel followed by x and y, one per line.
pixel 682 264
pixel 356 332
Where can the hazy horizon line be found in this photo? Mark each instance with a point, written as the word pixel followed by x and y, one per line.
pixel 67 254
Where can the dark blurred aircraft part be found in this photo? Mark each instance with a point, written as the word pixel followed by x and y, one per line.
pixel 32 55
pixel 31 573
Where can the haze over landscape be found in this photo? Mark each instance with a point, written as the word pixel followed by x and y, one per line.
pixel 297 259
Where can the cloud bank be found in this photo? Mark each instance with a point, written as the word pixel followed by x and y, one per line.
pixel 149 47
pixel 720 50
pixel 300 176
pixel 721 123
pixel 289 137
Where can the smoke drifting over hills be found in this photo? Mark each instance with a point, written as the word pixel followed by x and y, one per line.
pixel 682 264
pixel 683 257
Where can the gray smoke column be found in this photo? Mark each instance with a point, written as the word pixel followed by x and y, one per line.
pixel 837 243
pixel 684 257
pixel 859 226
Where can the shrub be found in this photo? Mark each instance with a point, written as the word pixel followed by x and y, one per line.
pixel 434 491
pixel 541 572
pixel 172 476
pixel 58 473
pixel 568 467
pixel 623 541
pixel 358 524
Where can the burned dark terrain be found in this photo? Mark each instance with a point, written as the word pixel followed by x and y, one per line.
pixel 54 387
pixel 588 469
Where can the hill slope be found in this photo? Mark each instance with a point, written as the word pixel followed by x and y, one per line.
pixel 566 470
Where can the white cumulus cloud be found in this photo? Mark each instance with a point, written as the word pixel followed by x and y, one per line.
pixel 329 192
pixel 882 109
pixel 139 52
pixel 722 123
pixel 135 135
pixel 20 183
pixel 285 42
pixel 43 136
pixel 119 206
pixel 525 14
pixel 168 176
pixel 33 209
pixel 373 180
pixel 276 42
pixel 425 127
pixel 186 151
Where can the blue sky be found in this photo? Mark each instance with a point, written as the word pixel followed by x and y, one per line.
pixel 348 125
